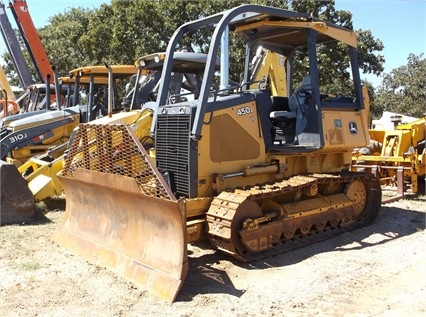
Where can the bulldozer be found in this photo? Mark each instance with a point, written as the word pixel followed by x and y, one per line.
pixel 255 167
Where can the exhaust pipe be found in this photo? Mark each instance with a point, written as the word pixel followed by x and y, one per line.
pixel 110 89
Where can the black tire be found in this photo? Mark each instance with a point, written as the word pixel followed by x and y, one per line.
pixel 374 200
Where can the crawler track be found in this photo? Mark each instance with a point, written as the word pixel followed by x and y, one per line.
pixel 264 220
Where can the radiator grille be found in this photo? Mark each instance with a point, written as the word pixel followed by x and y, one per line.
pixel 172 150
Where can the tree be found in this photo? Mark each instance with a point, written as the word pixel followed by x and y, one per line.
pixel 403 90
pixel 333 56
pixel 63 39
pixel 127 29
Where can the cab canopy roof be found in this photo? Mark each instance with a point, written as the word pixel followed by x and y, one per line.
pixel 99 70
pixel 183 62
pixel 288 28
pixel 292 34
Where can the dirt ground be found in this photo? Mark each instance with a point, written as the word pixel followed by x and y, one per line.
pixel 379 270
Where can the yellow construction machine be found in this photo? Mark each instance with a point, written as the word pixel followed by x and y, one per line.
pixel 254 169
pixel 40 171
pixel 32 143
pixel 395 156
pixel 24 136
pixel 8 106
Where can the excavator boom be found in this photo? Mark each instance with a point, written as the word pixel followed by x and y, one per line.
pixel 14 49
pixel 32 40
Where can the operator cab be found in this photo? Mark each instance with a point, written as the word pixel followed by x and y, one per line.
pixel 309 110
pixel 185 81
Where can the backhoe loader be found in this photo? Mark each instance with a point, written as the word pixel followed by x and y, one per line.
pixel 45 133
pixel 20 135
pixel 40 171
pixel 253 172
pixel 395 156
pixel 27 135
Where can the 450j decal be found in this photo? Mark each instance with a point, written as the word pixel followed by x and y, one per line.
pixel 245 110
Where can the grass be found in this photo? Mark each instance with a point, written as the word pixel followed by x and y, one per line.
pixel 30 266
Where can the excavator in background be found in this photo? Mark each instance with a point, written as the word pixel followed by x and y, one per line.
pixel 14 49
pixel 34 92
pixel 256 174
pixel 396 156
pixel 8 97
pixel 32 40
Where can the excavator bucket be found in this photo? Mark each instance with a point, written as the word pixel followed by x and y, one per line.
pixel 17 201
pixel 132 223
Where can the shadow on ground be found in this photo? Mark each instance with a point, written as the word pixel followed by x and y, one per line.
pixel 203 278
pixel 54 203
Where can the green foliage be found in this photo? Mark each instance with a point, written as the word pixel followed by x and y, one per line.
pixel 9 69
pixel 403 90
pixel 369 61
pixel 63 39
pixel 122 31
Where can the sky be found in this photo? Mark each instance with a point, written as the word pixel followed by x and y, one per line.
pixel 399 24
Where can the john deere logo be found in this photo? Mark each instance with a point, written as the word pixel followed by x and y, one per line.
pixel 353 129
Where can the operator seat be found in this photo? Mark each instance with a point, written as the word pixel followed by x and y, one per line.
pixel 300 95
pixel 284 120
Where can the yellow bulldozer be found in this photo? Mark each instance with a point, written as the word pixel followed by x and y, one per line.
pixel 254 169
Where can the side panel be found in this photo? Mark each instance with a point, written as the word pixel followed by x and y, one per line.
pixel 234 134
pixel 343 130
pixel 232 140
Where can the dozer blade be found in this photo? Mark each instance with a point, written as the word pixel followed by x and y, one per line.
pixel 120 213
pixel 17 201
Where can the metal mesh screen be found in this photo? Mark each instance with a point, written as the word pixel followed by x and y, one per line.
pixel 113 149
pixel 172 150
